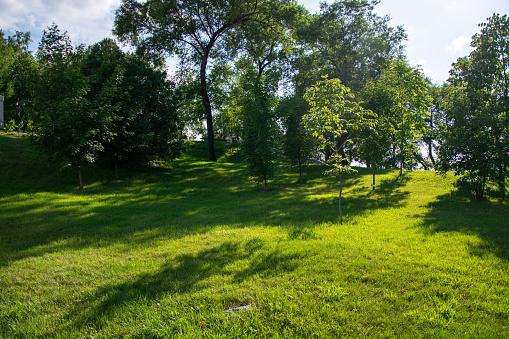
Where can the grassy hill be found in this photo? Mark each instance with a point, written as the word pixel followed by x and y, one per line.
pixel 194 249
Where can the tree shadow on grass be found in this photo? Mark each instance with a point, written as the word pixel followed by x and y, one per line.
pixel 186 273
pixel 356 201
pixel 486 219
pixel 387 187
pixel 389 193
pixel 384 187
pixel 193 198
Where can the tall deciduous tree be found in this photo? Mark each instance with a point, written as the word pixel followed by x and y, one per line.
pixel 189 28
pixel 400 97
pixel 350 42
pixel 334 114
pixel 477 105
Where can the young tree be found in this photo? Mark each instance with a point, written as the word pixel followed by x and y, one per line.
pixel 259 127
pixel 66 126
pixel 298 142
pixel 373 146
pixel 333 115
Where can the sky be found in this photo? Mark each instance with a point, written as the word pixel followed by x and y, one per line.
pixel 439 31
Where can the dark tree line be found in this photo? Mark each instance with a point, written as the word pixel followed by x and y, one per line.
pixel 98 104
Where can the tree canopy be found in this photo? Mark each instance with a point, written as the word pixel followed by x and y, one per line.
pixel 255 69
pixel 192 30
pixel 102 104
pixel 333 118
pixel 400 97
pixel 475 140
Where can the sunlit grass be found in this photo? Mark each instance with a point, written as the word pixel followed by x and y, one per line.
pixel 170 252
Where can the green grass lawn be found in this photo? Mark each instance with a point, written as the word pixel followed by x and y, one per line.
pixel 174 251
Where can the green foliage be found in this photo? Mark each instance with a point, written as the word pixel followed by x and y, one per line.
pixel 136 107
pixel 259 127
pixel 193 30
pixel 66 126
pixel 436 122
pixel 298 143
pixel 477 107
pixel 225 97
pixel 261 65
pixel 10 126
pixel 102 105
pixel 400 97
pixel 6 60
pixel 348 41
pixel 333 118
pixel 18 71
pixel 189 29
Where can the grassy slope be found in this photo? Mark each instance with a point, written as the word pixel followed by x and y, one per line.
pixel 164 253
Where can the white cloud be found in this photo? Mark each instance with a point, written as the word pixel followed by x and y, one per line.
pixel 11 12
pixel 459 45
pixel 87 21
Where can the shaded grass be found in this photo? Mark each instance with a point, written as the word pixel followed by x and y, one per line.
pixel 488 220
pixel 164 253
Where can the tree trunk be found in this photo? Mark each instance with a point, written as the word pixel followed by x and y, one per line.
pixel 340 191
pixel 327 152
pixel 502 170
pixel 340 146
pixel 479 188
pixel 401 166
pixel 430 153
pixel 265 183
pixel 300 169
pixel 206 103
pixel 373 186
pixel 420 160
pixel 501 184
pixel 80 177
pixel 116 171
pixel 479 193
